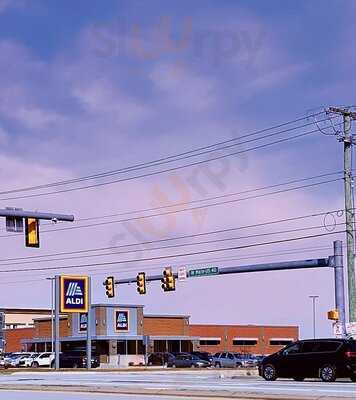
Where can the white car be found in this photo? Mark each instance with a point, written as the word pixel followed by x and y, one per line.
pixel 28 360
pixel 17 360
pixel 42 360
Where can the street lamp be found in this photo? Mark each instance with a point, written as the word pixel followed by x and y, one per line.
pixel 314 297
pixel 52 312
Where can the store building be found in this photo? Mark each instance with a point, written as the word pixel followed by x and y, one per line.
pixel 120 331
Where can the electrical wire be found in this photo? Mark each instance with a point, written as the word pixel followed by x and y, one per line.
pixel 181 210
pixel 170 246
pixel 162 171
pixel 171 255
pixel 154 162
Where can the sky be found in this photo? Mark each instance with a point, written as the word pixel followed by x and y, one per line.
pixel 89 87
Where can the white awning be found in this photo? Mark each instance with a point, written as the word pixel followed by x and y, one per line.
pixel 245 338
pixel 283 339
pixel 210 338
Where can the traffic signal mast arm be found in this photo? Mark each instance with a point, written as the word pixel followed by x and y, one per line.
pixel 36 215
pixel 280 266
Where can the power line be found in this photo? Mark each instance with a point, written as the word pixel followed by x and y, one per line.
pixel 191 263
pixel 163 170
pixel 195 235
pixel 171 246
pixel 154 162
pixel 202 200
pixel 183 209
pixel 171 255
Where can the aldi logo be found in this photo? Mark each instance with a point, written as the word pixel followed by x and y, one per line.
pixel 74 294
pixel 121 320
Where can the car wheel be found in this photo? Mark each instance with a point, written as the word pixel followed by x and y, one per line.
pixel 35 364
pixel 269 373
pixel 217 365
pixel 299 378
pixel 75 365
pixel 328 373
pixel 174 366
pixel 238 365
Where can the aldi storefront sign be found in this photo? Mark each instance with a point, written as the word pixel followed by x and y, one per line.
pixel 121 320
pixel 74 294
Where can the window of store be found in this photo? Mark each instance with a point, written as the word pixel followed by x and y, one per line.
pixel 280 342
pixel 209 341
pixel 244 342
pixel 131 347
pixel 121 347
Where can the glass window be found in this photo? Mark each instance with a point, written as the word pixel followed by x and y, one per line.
pixel 231 356
pixel 217 355
pixel 315 347
pixel 209 342
pixel 352 345
pixel 131 347
pixel 244 342
pixel 280 342
pixel 121 347
pixel 140 347
pixel 223 355
pixel 295 348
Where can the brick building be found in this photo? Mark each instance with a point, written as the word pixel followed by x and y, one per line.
pixel 118 332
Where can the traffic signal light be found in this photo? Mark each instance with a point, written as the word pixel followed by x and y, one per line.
pixel 333 315
pixel 32 232
pixel 110 286
pixel 168 280
pixel 141 282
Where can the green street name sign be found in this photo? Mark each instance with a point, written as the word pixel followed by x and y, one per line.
pixel 203 272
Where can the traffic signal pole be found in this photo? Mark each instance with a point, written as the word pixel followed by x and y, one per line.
pixel 348 116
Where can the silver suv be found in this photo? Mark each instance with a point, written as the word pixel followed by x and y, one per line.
pixel 226 360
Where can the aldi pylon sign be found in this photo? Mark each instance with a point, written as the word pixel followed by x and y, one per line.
pixel 74 293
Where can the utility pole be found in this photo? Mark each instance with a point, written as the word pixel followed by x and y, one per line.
pixel 348 116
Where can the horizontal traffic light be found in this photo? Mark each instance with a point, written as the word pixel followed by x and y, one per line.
pixel 109 284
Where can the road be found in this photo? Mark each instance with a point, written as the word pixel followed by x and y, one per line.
pixel 167 383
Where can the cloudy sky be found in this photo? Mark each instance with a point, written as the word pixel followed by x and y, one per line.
pixel 89 87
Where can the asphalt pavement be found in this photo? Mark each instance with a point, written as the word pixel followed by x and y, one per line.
pixel 183 383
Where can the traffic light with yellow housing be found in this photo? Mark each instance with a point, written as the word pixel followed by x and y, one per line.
pixel 333 315
pixel 32 232
pixel 168 280
pixel 109 284
pixel 141 283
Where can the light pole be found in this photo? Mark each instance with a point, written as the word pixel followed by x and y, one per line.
pixel 52 313
pixel 314 297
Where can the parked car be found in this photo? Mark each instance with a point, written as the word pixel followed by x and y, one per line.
pixel 3 364
pixel 28 360
pixel 75 359
pixel 42 360
pixel 160 358
pixel 248 360
pixel 16 360
pixel 226 360
pixel 327 359
pixel 204 355
pixel 189 361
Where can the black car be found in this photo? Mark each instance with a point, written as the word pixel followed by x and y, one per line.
pixel 326 359
pixel 76 359
pixel 160 358
pixel 204 355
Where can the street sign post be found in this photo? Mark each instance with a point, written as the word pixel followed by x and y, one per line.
pixel 203 272
pixel 72 295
